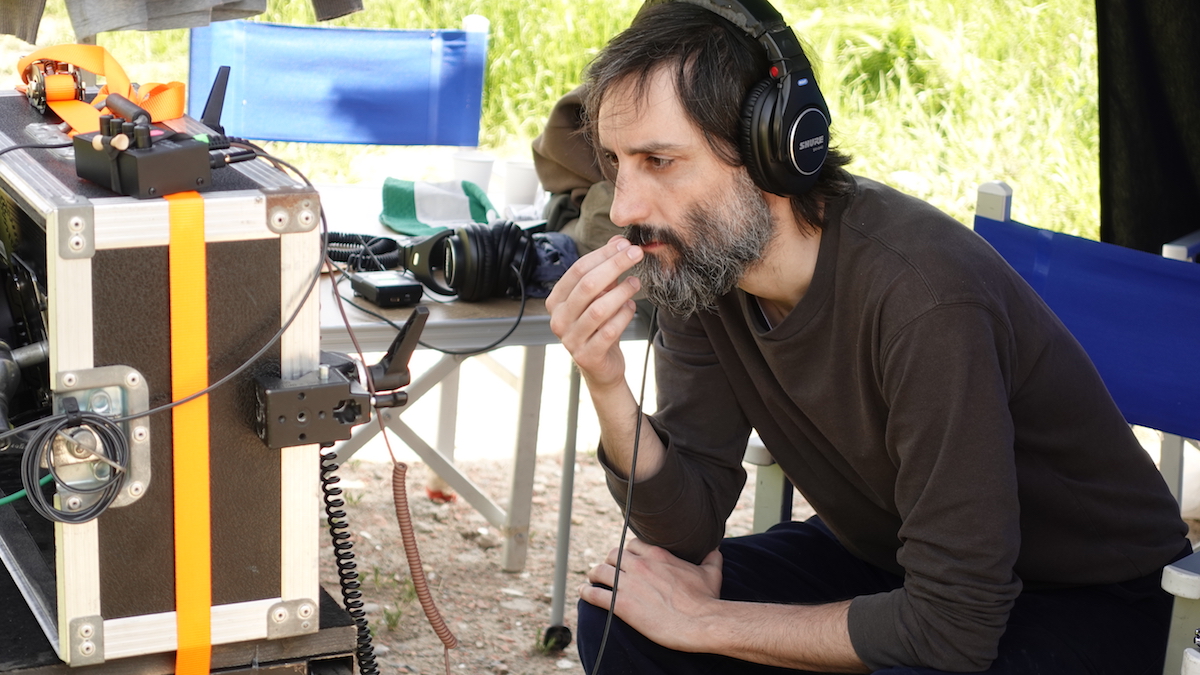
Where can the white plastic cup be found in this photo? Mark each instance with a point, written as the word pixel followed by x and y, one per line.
pixel 474 166
pixel 520 183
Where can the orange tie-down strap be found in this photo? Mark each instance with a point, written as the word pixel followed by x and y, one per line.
pixel 162 101
pixel 189 374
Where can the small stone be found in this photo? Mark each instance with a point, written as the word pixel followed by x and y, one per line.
pixel 423 527
pixel 515 592
pixel 488 540
pixel 519 605
pixel 381 650
pixel 370 607
pixel 564 664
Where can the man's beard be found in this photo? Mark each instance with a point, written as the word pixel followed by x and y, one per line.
pixel 724 242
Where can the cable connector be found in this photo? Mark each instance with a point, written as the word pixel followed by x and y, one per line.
pixel 72 412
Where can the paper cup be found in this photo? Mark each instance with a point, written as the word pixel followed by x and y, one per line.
pixel 474 166
pixel 520 183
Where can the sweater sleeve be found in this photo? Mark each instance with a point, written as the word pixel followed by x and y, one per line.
pixel 683 507
pixel 946 377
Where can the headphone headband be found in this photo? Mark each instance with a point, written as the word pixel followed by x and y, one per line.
pixel 762 22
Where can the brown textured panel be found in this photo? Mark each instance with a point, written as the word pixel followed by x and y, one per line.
pixel 132 327
pixel 243 314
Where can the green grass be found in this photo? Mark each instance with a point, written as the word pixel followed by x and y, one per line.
pixel 931 96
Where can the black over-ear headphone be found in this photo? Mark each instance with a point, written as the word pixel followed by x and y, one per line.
pixel 785 120
pixel 475 262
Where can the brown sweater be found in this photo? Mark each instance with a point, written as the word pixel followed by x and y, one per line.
pixel 934 412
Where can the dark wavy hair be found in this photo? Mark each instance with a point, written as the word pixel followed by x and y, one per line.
pixel 716 64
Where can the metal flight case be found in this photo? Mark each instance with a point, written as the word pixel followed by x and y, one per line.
pixel 86 312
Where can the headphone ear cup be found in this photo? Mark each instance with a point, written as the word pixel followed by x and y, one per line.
pixel 475 261
pixel 790 164
pixel 756 132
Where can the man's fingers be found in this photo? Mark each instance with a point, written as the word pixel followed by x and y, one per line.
pixel 565 286
pixel 596 595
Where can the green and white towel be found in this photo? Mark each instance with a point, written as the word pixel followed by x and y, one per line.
pixel 420 209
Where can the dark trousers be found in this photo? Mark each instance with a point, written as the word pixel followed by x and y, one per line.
pixel 1118 629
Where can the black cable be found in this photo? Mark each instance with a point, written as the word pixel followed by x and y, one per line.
pixel 382 253
pixel 112 446
pixel 343 553
pixel 637 437
pixel 452 352
pixel 36 146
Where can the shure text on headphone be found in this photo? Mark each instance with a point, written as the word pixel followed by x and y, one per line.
pixel 811 143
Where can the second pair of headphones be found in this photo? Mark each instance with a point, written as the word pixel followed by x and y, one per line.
pixel 475 262
pixel 785 120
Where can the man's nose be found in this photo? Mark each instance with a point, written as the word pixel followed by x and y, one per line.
pixel 630 203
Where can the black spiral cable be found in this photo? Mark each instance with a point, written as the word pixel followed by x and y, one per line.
pixel 343 553
pixel 363 253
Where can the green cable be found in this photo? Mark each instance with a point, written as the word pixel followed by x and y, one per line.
pixel 21 493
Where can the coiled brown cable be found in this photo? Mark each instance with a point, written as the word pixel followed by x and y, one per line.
pixel 420 585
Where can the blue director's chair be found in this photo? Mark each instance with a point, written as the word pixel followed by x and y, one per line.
pixel 1138 317
pixel 319 84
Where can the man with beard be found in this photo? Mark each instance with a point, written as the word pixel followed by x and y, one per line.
pixel 982 505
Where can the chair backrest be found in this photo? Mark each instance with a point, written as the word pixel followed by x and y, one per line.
pixel 344 85
pixel 1136 314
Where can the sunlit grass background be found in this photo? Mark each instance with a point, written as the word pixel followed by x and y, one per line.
pixel 931 96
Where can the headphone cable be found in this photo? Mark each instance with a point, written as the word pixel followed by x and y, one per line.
pixel 452 352
pixel 637 437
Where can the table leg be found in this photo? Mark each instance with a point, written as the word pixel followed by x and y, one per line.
pixel 558 636
pixel 437 488
pixel 516 530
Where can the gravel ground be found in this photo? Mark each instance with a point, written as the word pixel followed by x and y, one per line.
pixel 499 618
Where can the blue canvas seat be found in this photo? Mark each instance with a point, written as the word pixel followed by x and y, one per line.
pixel 344 85
pixel 1138 317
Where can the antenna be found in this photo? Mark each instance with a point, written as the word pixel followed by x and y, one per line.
pixel 211 117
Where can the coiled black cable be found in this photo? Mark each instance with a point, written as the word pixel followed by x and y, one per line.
pixel 363 253
pixel 343 553
pixel 113 449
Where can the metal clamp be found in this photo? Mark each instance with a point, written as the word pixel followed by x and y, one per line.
pixel 85 639
pixel 76 231
pixel 115 391
pixel 292 209
pixel 292 617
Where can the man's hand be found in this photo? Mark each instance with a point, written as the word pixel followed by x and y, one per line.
pixel 660 596
pixel 677 605
pixel 589 311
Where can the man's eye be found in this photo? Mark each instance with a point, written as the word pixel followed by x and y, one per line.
pixel 659 162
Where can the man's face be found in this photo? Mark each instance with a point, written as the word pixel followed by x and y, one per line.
pixel 702 223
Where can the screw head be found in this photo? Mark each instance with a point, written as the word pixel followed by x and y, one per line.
pixel 87 648
pixel 69 379
pixel 136 489
pixel 133 380
pixel 279 615
pixel 75 224
pixel 305 611
pixel 75 243
pixel 140 434
pixel 86 631
pixel 74 503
